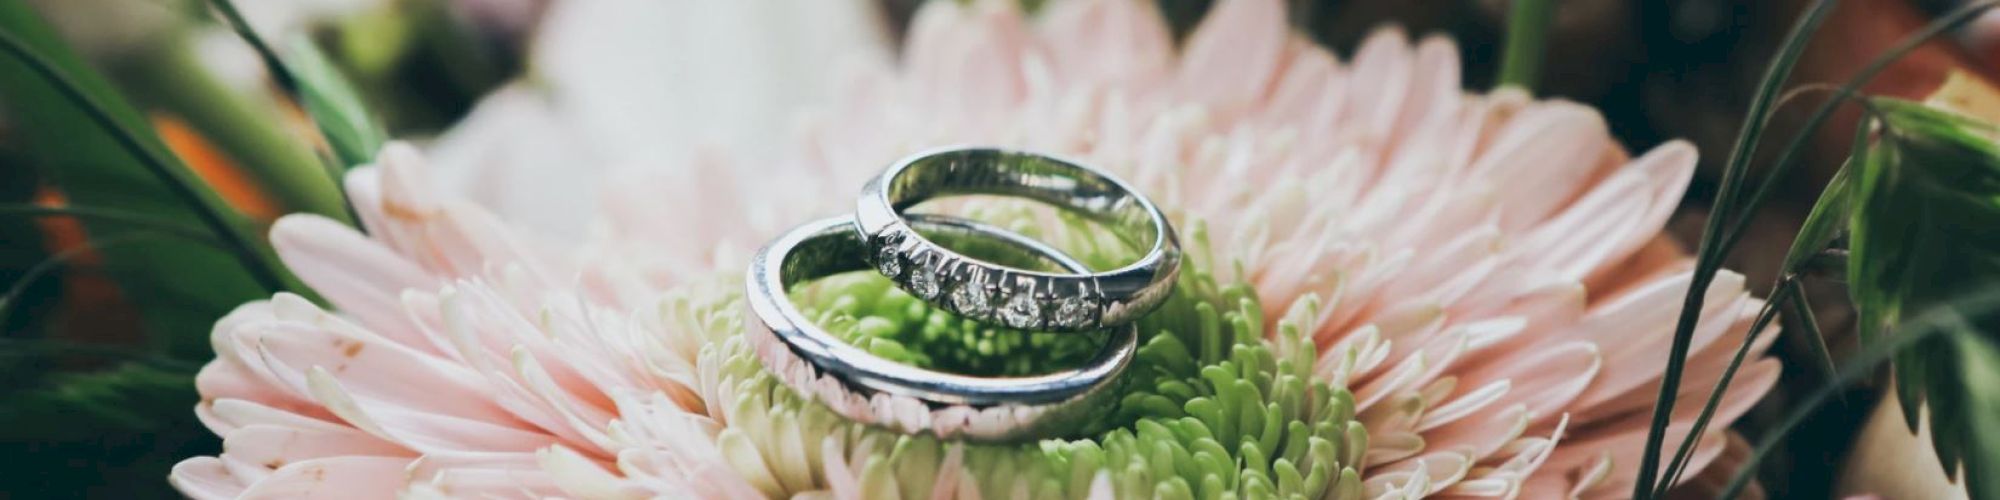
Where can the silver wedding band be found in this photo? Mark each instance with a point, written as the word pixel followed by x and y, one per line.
pixel 1019 298
pixel 870 389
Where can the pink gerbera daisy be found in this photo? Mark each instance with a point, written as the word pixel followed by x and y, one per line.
pixel 1398 289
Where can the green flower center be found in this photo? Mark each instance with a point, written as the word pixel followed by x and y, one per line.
pixel 866 310
pixel 1210 408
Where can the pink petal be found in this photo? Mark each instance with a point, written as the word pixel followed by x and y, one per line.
pixel 1435 94
pixel 1545 379
pixel 1112 42
pixel 205 478
pixel 379 370
pixel 1307 93
pixel 274 446
pixel 236 413
pixel 1654 260
pixel 333 479
pixel 1542 158
pixel 1703 370
pixel 1231 58
pixel 1381 78
pixel 1483 434
pixel 489 475
pixel 1668 168
pixel 1636 349
pixel 359 276
pixel 421 431
pixel 968 61
pixel 1623 440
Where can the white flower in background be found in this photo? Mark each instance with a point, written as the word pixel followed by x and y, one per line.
pixel 643 84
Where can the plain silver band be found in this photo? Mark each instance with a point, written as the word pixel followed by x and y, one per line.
pixel 867 388
pixel 985 291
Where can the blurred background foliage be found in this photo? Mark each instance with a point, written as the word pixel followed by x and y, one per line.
pixel 106 315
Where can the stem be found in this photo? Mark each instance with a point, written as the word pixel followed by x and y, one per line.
pixel 1527 42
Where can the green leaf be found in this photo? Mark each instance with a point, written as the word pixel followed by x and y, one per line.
pixel 100 152
pixel 1926 203
pixel 1979 359
pixel 352 132
pixel 1925 228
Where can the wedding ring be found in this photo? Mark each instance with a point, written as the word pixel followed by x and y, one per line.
pixel 870 389
pixel 1018 298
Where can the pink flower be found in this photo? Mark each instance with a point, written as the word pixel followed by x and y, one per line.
pixel 1484 275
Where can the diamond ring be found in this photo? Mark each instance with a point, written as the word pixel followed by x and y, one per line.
pixel 867 388
pixel 1019 298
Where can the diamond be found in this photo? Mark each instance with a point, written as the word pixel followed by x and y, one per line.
pixel 886 258
pixel 971 300
pixel 1022 311
pixel 1073 312
pixel 924 279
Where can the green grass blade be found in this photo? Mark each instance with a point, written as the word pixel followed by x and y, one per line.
pixel 1709 257
pixel 115 216
pixel 1822 225
pixel 99 152
pixel 1846 91
pixel 1685 452
pixel 1801 308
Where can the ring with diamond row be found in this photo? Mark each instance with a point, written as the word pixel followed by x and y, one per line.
pixel 870 389
pixel 1018 298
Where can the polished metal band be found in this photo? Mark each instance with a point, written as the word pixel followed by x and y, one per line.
pixel 867 388
pixel 1016 297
